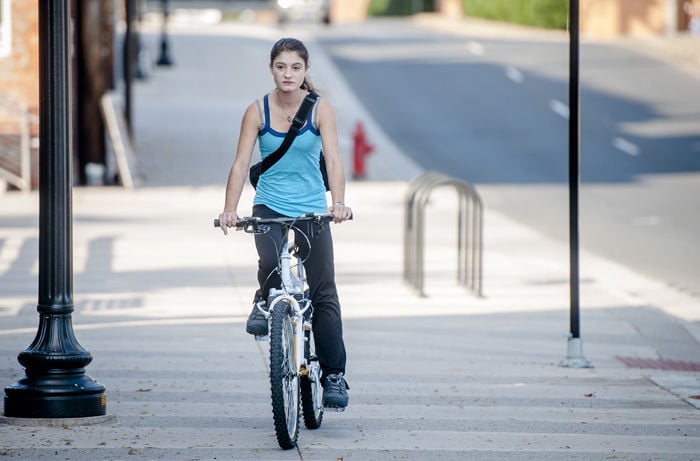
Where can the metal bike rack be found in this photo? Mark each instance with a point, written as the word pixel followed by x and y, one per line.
pixel 469 237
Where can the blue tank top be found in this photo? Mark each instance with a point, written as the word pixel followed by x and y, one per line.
pixel 292 186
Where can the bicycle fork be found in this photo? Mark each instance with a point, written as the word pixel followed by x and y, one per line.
pixel 298 323
pixel 292 284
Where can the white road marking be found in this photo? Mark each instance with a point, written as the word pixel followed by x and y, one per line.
pixel 138 323
pixel 514 74
pixel 559 108
pixel 475 48
pixel 626 146
pixel 9 253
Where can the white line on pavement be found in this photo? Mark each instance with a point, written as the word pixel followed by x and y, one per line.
pixel 475 48
pixel 139 323
pixel 514 74
pixel 559 108
pixel 626 146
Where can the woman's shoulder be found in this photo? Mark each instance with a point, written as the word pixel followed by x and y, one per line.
pixel 258 104
pixel 254 115
pixel 323 102
pixel 257 110
pixel 325 110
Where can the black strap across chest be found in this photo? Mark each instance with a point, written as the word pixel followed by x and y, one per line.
pixel 297 123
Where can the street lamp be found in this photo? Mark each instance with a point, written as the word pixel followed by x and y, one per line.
pixel 574 346
pixel 164 58
pixel 55 385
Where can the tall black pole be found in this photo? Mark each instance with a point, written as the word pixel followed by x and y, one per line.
pixel 129 58
pixel 55 385
pixel 574 162
pixel 574 356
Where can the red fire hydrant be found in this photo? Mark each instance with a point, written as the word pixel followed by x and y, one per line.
pixel 360 150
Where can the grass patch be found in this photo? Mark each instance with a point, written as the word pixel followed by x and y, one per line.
pixel 549 14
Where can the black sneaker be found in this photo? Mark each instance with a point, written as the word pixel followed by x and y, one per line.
pixel 257 323
pixel 335 392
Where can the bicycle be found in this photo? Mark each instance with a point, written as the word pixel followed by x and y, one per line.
pixel 295 373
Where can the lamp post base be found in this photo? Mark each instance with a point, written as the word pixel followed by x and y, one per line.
pixel 55 384
pixel 574 355
pixel 164 58
pixel 55 397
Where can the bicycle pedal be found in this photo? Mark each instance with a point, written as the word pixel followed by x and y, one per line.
pixel 262 338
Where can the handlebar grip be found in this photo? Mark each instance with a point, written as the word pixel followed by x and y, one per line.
pixel 217 223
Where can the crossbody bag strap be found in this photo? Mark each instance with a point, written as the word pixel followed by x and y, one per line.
pixel 297 123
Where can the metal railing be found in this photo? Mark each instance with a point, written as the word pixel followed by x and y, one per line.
pixel 470 228
pixel 16 144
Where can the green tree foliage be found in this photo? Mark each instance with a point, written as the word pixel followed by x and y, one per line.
pixel 399 7
pixel 539 13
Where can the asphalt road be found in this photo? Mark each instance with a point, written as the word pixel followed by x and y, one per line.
pixel 494 112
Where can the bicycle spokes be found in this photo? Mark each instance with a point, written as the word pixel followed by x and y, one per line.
pixel 284 379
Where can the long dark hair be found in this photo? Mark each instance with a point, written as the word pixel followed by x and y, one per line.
pixel 296 46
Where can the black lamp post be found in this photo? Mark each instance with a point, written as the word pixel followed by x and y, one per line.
pixel 164 58
pixel 55 385
pixel 574 349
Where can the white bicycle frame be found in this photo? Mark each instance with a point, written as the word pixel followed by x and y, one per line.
pixel 291 297
pixel 292 284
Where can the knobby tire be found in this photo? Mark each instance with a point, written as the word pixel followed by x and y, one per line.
pixel 284 380
pixel 311 390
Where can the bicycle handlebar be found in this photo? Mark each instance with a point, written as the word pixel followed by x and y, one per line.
pixel 252 223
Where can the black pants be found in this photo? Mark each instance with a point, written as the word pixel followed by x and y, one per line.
pixel 320 274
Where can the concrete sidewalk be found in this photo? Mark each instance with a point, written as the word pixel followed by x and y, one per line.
pixel 161 298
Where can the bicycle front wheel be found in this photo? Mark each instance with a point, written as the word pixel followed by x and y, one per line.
pixel 284 380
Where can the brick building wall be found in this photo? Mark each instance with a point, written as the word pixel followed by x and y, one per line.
pixel 19 70
pixel 19 93
pixel 92 72
pixel 609 18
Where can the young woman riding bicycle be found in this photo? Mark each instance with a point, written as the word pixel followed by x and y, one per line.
pixel 291 187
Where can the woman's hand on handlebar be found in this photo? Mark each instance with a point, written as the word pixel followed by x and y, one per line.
pixel 340 211
pixel 228 219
